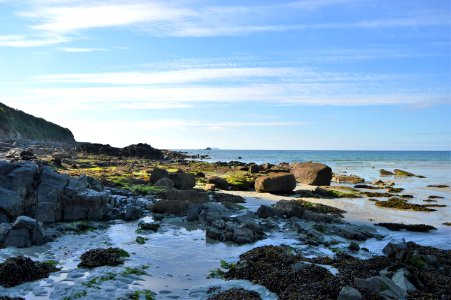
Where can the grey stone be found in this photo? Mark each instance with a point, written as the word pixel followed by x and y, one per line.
pixel 265 211
pixel 132 212
pixel 382 286
pixel 158 174
pixel 165 183
pixel 290 208
pixel 182 180
pixel 19 238
pixel 349 293
pixel 401 279
pixel 396 249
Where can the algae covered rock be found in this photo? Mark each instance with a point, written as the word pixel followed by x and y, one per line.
pixel 20 269
pixel 103 257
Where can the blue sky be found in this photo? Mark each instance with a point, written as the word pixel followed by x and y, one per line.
pixel 306 74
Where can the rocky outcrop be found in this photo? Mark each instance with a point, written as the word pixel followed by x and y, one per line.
pixel 275 183
pixel 15 124
pixel 24 232
pixel 137 150
pixel 312 173
pixel 235 230
pixel 141 151
pixel 39 192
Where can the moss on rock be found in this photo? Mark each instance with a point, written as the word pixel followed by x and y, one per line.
pixel 103 257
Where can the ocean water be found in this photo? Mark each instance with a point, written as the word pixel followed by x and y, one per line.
pixel 435 165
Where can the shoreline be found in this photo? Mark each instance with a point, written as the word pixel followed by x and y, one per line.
pixel 186 247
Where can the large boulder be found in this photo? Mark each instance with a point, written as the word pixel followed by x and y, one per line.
pixel 158 174
pixel 43 194
pixel 312 173
pixel 219 182
pixel 275 183
pixel 182 180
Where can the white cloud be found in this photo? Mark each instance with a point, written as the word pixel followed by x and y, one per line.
pixel 167 77
pixel 67 19
pixel 23 41
pixel 81 50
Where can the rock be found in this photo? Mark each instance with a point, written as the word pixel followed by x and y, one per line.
pixel 173 207
pixel 132 212
pixel 11 204
pixel 98 149
pixel 141 151
pixel 210 187
pixel 152 226
pixel 312 173
pixel 60 155
pixel 20 269
pixel 182 180
pixel 235 230
pixel 253 168
pixel 290 208
pixel 351 231
pixel 219 182
pixel 354 247
pixel 193 196
pixel 275 183
pixel 381 286
pixel 408 227
pixel 398 172
pixel 265 167
pixel 223 197
pixel 158 174
pixel 401 279
pixel 20 154
pixel 347 179
pixel 383 172
pixel 349 293
pixel 25 232
pixel 439 186
pixel 43 194
pixel 102 257
pixel 265 211
pixel 396 249
pixel 165 183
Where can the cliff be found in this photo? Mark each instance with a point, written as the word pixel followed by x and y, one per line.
pixel 18 125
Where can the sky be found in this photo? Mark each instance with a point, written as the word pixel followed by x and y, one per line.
pixel 249 74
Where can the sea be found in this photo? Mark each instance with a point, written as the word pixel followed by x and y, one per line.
pixel 435 165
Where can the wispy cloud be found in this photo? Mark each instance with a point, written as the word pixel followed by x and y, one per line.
pixel 65 20
pixel 81 50
pixel 24 41
pixel 170 89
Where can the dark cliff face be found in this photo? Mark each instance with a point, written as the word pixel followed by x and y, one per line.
pixel 15 124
